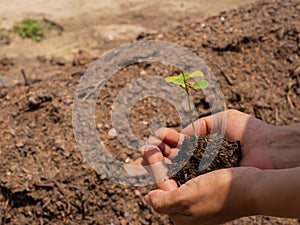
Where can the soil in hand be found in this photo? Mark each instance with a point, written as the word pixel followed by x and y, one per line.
pixel 206 154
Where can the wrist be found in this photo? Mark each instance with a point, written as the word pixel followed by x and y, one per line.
pixel 242 197
pixel 249 200
pixel 285 146
pixel 275 192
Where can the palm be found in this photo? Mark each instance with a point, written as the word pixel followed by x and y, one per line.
pixel 251 132
pixel 256 153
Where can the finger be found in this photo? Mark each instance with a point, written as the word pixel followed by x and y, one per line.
pixel 166 150
pixel 167 185
pixel 202 127
pixel 164 202
pixel 153 161
pixel 151 154
pixel 170 137
pixel 231 123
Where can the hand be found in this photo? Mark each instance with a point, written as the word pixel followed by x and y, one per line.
pixel 207 199
pixel 253 134
pixel 263 146
pixel 213 198
pixel 226 194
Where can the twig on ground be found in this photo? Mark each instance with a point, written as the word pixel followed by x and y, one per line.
pixel 26 82
pixel 228 79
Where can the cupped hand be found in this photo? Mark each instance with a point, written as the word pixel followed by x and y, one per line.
pixel 253 134
pixel 221 195
pixel 213 198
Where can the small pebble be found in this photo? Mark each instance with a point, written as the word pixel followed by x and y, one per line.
pixel 160 36
pixel 112 132
pixel 19 144
pixel 145 122
pixel 143 73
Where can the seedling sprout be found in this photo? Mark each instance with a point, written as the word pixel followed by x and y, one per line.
pixel 187 82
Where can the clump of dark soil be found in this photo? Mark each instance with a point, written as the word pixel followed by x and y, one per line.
pixel 206 154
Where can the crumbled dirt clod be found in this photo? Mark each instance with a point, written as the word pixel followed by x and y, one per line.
pixel 209 153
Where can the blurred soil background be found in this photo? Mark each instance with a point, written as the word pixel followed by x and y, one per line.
pixel 91 26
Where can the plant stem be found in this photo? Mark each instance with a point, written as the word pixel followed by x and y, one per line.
pixel 190 108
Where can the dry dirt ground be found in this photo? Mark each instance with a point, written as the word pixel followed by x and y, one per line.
pixel 254 53
pixel 93 26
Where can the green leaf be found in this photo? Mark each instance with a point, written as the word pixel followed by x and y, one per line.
pixel 173 79
pixel 176 80
pixel 197 74
pixel 200 84
pixel 185 75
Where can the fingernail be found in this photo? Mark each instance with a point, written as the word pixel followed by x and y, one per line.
pixel 161 133
pixel 147 199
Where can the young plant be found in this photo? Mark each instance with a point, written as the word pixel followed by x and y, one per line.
pixel 35 29
pixel 187 82
pixel 30 28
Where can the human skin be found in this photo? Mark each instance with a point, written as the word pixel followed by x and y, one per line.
pixel 266 183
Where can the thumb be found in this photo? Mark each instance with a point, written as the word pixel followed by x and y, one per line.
pixel 164 202
pixel 202 127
